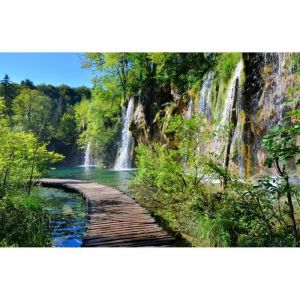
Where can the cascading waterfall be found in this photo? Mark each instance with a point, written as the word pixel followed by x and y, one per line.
pixel 87 155
pixel 231 93
pixel 231 110
pixel 228 115
pixel 279 79
pixel 124 158
pixel 204 106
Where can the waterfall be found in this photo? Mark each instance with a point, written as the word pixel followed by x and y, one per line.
pixel 87 155
pixel 280 83
pixel 204 106
pixel 189 112
pixel 227 115
pixel 124 158
pixel 230 94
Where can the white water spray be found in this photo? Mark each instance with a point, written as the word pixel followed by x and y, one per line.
pixel 87 156
pixel 231 93
pixel 205 95
pixel 280 83
pixel 124 158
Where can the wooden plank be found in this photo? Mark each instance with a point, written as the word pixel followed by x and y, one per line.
pixel 132 243
pixel 115 220
pixel 114 232
pixel 107 227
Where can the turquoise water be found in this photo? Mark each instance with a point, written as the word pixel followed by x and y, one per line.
pixel 68 216
pixel 117 179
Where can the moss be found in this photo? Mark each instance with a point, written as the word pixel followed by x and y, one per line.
pixel 235 152
pixel 226 65
pixel 218 99
pixel 194 91
pixel 295 61
pixel 243 118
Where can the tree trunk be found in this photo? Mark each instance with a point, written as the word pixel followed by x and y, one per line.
pixel 6 174
pixel 291 212
pixel 34 156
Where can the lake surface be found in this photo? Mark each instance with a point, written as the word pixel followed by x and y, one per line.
pixel 68 216
pixel 117 179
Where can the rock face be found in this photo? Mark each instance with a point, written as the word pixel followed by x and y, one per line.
pixel 251 102
pixel 267 79
pixel 146 126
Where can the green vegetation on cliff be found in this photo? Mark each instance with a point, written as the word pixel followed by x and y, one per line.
pixel 122 75
pixel 197 197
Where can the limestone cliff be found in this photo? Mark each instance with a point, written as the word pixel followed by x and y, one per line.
pixel 250 101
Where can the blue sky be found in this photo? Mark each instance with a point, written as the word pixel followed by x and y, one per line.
pixel 49 68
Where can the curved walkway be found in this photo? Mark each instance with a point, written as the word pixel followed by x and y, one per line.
pixel 115 220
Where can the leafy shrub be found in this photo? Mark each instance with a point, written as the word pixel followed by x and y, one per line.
pixel 23 222
pixel 185 187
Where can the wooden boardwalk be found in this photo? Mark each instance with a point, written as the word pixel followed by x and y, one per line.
pixel 115 220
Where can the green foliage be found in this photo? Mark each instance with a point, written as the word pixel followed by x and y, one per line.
pixel 23 157
pixel 99 122
pixel 281 143
pixel 23 223
pixel 113 70
pixel 18 151
pixel 129 73
pixel 122 75
pixel 67 128
pixel 183 186
pixel 8 91
pixel 182 70
pixel 226 63
pixel 295 62
pixel 32 109
pixel 81 114
pixel 282 150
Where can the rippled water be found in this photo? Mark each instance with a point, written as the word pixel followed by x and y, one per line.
pixel 68 216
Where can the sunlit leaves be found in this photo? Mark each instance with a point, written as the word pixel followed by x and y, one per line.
pixel 17 150
pixel 32 109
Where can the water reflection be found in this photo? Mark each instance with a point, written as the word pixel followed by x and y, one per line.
pixel 68 216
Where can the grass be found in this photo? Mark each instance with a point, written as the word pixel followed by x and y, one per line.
pixel 23 223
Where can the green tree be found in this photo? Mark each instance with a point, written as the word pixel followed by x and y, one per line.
pixel 27 84
pixel 22 158
pixel 32 110
pixel 113 70
pixel 8 91
pixel 98 121
pixel 67 129
pixel 282 149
